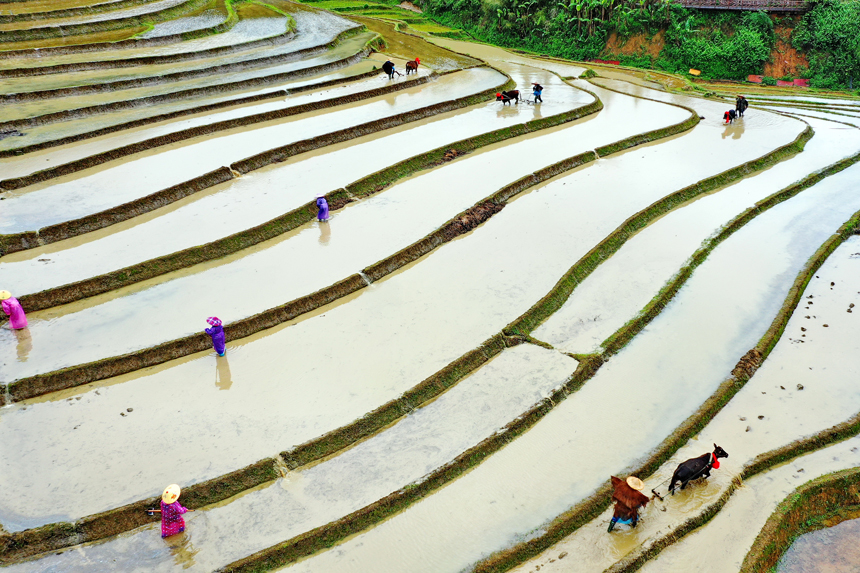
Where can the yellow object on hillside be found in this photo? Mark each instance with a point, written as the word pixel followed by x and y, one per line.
pixel 695 72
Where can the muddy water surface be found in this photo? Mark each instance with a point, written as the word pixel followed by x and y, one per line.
pixel 147 8
pixel 250 58
pixel 26 109
pixel 58 130
pixel 104 187
pixel 427 438
pixel 257 197
pixel 202 21
pixel 499 55
pixel 763 415
pixel 721 545
pixel 833 550
pixel 382 341
pixel 25 164
pixel 32 6
pixel 415 209
pixel 653 384
pixel 817 114
pixel 623 285
pixel 246 30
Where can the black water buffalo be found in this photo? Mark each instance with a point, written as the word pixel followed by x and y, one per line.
pixel 696 468
pixel 506 97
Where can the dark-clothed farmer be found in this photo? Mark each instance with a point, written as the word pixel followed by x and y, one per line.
pixel 388 68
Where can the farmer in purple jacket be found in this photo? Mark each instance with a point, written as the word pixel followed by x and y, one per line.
pixel 11 306
pixel 217 334
pixel 322 205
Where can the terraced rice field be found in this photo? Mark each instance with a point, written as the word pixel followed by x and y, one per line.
pixel 509 303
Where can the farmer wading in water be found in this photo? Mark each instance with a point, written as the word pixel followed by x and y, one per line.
pixel 628 498
pixel 171 512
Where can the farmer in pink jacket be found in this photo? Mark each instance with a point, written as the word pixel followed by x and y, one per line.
pixel 171 512
pixel 11 306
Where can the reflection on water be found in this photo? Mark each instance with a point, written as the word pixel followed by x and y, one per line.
pixel 734 129
pixel 507 110
pixel 182 550
pixel 537 112
pixel 223 378
pixel 25 343
pixel 325 232
pixel 834 550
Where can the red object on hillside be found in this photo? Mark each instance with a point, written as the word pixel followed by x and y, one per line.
pixel 801 83
pixel 784 84
pixel 755 79
pixel 612 62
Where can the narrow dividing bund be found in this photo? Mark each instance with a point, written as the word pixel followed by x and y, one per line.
pixel 79 113
pixel 591 508
pixel 273 95
pixel 99 8
pixel 338 198
pixel 32 239
pixel 164 78
pixel 819 497
pixel 283 38
pixel 372 422
pixel 481 209
pixel 120 45
pixel 104 26
pixel 592 364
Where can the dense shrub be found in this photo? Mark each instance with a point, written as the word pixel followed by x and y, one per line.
pixel 726 45
pixel 721 44
pixel 830 35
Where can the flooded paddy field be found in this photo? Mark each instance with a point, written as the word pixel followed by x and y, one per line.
pixel 315 29
pixel 96 189
pixel 507 304
pixel 145 8
pixel 256 197
pixel 338 57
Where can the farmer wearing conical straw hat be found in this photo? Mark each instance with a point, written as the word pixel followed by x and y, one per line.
pixel 171 512
pixel 11 306
pixel 628 498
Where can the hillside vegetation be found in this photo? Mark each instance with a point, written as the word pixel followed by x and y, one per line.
pixel 723 44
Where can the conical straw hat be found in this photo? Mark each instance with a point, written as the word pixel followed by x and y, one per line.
pixel 171 493
pixel 635 483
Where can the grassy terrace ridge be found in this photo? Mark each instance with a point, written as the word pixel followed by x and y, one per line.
pixel 286 222
pixel 288 35
pixel 207 129
pixel 107 44
pixel 63 530
pixel 586 511
pixel 184 9
pixel 72 12
pixel 32 239
pixel 58 535
pixel 801 512
pixel 167 78
pixel 74 376
pixel 278 94
pixel 328 535
pixel 183 95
